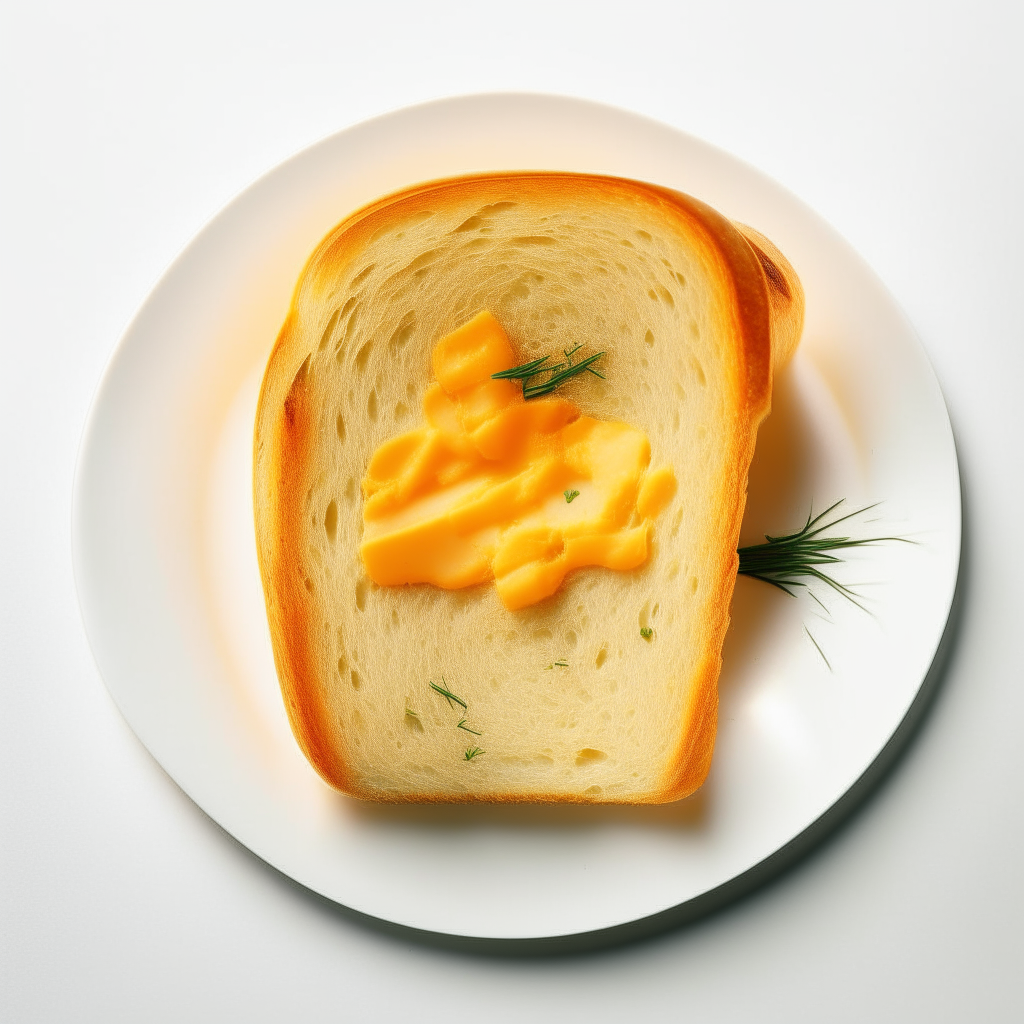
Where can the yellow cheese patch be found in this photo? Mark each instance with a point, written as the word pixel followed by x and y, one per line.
pixel 484 489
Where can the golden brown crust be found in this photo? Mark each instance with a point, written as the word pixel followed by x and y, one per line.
pixel 747 301
pixel 785 296
pixel 759 295
pixel 280 565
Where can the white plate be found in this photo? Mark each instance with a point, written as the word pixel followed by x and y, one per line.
pixel 165 557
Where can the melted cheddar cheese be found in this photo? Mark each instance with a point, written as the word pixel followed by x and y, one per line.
pixel 482 490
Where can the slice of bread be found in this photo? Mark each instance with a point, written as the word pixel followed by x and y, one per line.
pixel 607 690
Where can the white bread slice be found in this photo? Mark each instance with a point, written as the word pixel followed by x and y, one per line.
pixel 692 311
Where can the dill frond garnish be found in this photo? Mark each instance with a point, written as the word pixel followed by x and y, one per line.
pixel 569 495
pixel 409 711
pixel 559 372
pixel 810 636
pixel 557 664
pixel 448 695
pixel 462 725
pixel 783 561
pixel 646 632
pixel 472 752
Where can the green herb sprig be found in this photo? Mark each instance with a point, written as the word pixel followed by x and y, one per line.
pixel 448 695
pixel 791 561
pixel 472 752
pixel 646 632
pixel 556 664
pixel 462 725
pixel 559 372
pixel 570 496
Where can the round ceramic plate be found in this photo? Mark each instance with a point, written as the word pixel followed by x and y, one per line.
pixel 811 694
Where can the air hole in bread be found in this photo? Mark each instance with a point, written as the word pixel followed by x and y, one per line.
pixel 350 490
pixel 594 791
pixel 571 638
pixel 666 296
pixel 361 594
pixel 470 224
pixel 533 240
pixel 652 294
pixel 644 616
pixel 401 410
pixel 517 291
pixel 693 584
pixel 357 719
pixel 681 279
pixel 497 207
pixel 602 657
pixel 309 584
pixel 645 235
pixel 371 406
pixel 339 348
pixel 626 242
pixel 331 521
pixel 328 330
pixel 649 338
pixel 362 355
pixel 590 755
pixel 698 370
pixel 403 333
pixel 339 426
pixel 362 275
pixel 676 521
pixel 422 261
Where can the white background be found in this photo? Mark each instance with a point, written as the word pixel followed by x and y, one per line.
pixel 125 128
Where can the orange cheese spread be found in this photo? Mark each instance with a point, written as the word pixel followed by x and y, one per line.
pixel 484 490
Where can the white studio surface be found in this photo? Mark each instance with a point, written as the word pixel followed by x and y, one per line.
pixel 165 552
pixel 128 129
